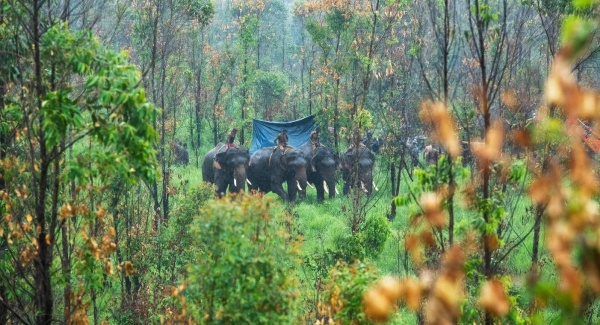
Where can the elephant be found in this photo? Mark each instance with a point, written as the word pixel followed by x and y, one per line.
pixel 270 167
pixel 181 153
pixel 321 166
pixel 226 167
pixel 357 169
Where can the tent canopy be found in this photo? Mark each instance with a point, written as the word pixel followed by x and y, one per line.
pixel 265 132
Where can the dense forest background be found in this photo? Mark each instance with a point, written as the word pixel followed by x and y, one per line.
pixel 99 222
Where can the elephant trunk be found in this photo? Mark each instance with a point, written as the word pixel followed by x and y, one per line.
pixel 332 189
pixel 239 178
pixel 366 180
pixel 301 177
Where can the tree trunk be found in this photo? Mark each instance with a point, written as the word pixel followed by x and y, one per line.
pixel 392 215
pixel 163 131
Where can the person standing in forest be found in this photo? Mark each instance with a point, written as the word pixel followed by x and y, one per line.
pixel 231 138
pixel 281 140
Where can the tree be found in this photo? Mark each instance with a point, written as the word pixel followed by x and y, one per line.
pixel 71 92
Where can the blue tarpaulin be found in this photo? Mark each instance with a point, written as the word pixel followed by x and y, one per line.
pixel 265 132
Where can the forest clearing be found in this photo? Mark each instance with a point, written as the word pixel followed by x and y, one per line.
pixel 299 162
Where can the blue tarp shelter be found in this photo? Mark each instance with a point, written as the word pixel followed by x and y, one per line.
pixel 264 132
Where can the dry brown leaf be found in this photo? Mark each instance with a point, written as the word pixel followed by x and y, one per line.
pixel 493 298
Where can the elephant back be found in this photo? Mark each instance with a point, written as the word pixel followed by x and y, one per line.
pixel 258 169
pixel 228 158
pixel 324 153
pixel 208 172
pixel 357 155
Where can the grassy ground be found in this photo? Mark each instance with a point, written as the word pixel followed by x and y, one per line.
pixel 320 225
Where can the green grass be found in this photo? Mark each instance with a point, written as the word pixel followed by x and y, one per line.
pixel 319 225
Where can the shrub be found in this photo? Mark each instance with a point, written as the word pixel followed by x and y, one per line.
pixel 244 269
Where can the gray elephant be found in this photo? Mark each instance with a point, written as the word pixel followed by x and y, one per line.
pixel 226 167
pixel 269 168
pixel 321 166
pixel 357 169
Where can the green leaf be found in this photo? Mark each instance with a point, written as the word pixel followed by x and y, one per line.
pixel 582 4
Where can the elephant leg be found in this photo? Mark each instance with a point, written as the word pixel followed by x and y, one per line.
pixel 292 189
pixel 346 187
pixel 278 189
pixel 320 191
pixel 301 192
pixel 332 189
pixel 220 184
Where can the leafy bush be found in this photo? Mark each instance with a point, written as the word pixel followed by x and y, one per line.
pixel 244 269
pixel 373 234
pixel 368 241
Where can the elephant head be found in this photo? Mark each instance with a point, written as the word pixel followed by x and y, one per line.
pixel 226 168
pixel 321 170
pixel 270 167
pixel 293 162
pixel 230 169
pixel 357 169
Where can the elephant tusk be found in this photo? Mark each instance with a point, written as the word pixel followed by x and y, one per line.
pixel 362 186
pixel 375 186
pixel 309 184
pixel 248 181
pixel 325 187
pixel 298 184
pixel 234 182
pixel 336 191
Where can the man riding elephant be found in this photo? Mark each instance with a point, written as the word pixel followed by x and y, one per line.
pixel 281 141
pixel 315 139
pixel 270 167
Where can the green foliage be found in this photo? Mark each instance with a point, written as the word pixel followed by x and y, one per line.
pixel 244 266
pixel 583 4
pixel 248 31
pixel 110 107
pixel 166 256
pixel 270 89
pixel 319 34
pixel 201 10
pixel 373 234
pixel 577 31
pixel 338 20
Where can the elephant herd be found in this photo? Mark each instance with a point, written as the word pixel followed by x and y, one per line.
pixel 230 168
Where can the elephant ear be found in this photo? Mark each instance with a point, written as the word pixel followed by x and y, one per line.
pixel 219 160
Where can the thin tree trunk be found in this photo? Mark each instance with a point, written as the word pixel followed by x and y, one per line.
pixel 367 78
pixel 244 94
pixel 163 131
pixel 392 215
pixel 43 286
